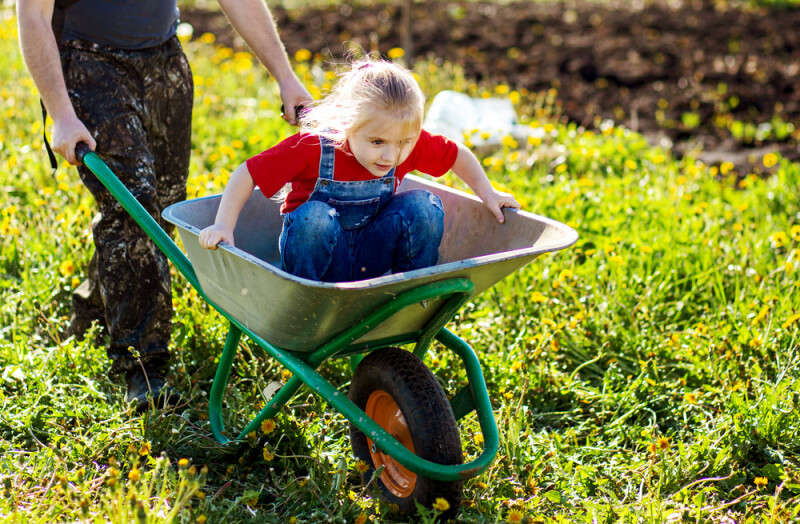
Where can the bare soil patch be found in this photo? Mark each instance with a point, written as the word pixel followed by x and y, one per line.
pixel 680 72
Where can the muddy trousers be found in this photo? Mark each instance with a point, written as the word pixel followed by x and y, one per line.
pixel 138 106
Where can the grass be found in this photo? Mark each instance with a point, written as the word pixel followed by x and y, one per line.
pixel 647 374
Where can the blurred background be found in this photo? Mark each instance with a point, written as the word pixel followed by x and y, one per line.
pixel 715 76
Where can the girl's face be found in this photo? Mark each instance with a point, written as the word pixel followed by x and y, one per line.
pixel 381 144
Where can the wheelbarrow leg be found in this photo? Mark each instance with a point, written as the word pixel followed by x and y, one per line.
pixel 220 381
pixel 281 397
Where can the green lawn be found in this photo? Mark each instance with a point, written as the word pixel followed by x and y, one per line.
pixel 647 374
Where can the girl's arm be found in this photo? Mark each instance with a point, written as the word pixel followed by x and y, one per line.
pixel 236 193
pixel 468 169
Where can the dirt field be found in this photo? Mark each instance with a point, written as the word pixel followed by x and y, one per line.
pixel 681 72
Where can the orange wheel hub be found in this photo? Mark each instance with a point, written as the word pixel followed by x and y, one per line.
pixel 382 408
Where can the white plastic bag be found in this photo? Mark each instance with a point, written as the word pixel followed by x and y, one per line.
pixel 482 121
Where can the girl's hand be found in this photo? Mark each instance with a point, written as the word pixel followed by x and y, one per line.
pixel 497 200
pixel 213 235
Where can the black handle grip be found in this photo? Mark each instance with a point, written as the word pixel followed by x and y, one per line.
pixel 298 111
pixel 81 148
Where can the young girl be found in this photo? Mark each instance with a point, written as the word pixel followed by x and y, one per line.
pixel 342 218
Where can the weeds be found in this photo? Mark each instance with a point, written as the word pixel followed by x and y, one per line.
pixel 648 374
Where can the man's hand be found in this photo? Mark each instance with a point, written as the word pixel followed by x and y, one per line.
pixel 293 94
pixel 67 132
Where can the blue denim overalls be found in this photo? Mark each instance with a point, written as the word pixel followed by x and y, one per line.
pixel 355 230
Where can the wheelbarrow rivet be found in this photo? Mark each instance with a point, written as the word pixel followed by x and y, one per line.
pixel 374 448
pixel 424 303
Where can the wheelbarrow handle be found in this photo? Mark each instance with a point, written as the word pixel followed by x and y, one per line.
pixel 81 148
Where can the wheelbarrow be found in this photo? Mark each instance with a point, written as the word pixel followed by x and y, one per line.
pixel 402 423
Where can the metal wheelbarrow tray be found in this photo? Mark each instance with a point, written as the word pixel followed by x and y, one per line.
pixel 301 323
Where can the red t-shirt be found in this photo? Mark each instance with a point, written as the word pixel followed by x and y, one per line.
pixel 296 160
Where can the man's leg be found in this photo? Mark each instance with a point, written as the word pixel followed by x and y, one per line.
pixel 133 275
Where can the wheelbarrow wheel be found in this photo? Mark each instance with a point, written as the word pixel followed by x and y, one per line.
pixel 401 394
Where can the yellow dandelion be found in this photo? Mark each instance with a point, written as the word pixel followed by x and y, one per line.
pixel 286 375
pixel 509 142
pixel 691 398
pixel 538 298
pixel 396 52
pixel 616 259
pixel 791 321
pixel 361 519
pixel 726 167
pixel 516 516
pixel 796 233
pixel 208 38
pixel 134 475
pixel 267 426
pixel 183 463
pixel 201 519
pixel 663 443
pixel 144 450
pixel 268 455
pixel 478 438
pixel 302 55
pixel 652 448
pixel 362 467
pixel 780 239
pixel 502 89
pixel 67 268
pixel 441 504
pixel 761 315
pixel 631 164
pixel 760 481
pixel 769 160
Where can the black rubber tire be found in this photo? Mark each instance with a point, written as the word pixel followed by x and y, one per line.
pixel 430 420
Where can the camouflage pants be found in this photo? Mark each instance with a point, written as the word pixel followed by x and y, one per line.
pixel 138 106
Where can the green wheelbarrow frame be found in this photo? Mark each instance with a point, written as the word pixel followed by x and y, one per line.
pixel 451 293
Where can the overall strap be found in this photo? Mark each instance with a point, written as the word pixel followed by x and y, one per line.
pixel 326 158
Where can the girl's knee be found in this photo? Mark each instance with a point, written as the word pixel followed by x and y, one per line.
pixel 423 205
pixel 314 216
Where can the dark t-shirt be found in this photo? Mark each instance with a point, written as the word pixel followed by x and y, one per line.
pixel 124 24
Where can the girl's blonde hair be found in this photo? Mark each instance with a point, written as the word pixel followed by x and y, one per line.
pixel 370 87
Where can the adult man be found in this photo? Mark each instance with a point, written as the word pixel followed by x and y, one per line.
pixel 122 78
